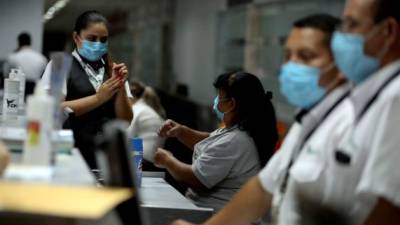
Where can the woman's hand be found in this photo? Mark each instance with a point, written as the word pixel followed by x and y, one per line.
pixel 162 157
pixel 120 71
pixel 170 128
pixel 181 222
pixel 180 171
pixel 108 89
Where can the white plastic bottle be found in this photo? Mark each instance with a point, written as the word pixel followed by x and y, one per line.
pixel 38 145
pixel 11 96
pixel 22 79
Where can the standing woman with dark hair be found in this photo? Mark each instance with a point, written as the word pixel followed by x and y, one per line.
pixel 225 159
pixel 96 89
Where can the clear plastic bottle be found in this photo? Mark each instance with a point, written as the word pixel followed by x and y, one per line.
pixel 22 78
pixel 38 145
pixel 11 96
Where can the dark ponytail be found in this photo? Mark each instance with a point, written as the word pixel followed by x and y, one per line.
pixel 255 110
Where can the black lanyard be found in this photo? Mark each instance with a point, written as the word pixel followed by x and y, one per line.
pixel 301 145
pixel 359 117
pixel 376 95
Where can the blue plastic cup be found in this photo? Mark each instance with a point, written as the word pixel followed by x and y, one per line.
pixel 137 148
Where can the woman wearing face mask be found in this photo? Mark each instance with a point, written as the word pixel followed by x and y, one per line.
pixel 226 158
pixel 96 89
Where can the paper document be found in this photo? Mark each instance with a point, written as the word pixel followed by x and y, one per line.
pixel 70 202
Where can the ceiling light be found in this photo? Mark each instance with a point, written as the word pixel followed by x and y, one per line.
pixel 54 9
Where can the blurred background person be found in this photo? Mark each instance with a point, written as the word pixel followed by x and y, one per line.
pixel 226 158
pixel 149 116
pixel 31 62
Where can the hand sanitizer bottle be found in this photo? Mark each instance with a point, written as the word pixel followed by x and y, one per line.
pixel 11 96
pixel 22 79
pixel 38 145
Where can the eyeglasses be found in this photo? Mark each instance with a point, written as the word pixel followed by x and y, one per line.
pixel 349 24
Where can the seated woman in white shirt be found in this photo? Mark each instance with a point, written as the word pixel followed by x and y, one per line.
pixel 226 158
pixel 149 116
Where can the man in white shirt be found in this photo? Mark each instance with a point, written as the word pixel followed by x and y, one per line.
pixel 31 62
pixel 370 147
pixel 347 172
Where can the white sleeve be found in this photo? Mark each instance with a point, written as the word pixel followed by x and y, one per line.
pixel 45 81
pixel 128 90
pixel 133 128
pixel 269 175
pixel 44 64
pixel 381 175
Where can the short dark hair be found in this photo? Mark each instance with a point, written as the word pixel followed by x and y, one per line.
pixel 24 39
pixel 255 110
pixel 88 17
pixel 323 22
pixel 387 8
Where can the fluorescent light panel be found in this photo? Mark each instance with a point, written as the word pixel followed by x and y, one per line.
pixel 52 11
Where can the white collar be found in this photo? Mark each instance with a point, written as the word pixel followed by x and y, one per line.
pixel 364 92
pixel 78 57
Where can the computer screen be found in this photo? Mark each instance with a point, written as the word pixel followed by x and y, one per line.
pixel 117 169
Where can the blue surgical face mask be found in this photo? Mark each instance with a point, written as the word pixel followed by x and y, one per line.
pixel 219 114
pixel 348 50
pixel 92 51
pixel 300 84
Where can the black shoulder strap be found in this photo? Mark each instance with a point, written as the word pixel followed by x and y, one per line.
pixel 338 101
pixel 307 136
pixel 376 95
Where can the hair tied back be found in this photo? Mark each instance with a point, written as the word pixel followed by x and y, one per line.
pixel 269 95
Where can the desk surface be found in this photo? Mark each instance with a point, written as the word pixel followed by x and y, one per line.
pixel 156 192
pixel 71 169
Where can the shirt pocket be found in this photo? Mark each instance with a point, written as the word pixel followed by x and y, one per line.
pixel 308 166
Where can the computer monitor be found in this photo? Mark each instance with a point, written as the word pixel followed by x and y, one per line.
pixel 116 167
pixel 113 156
